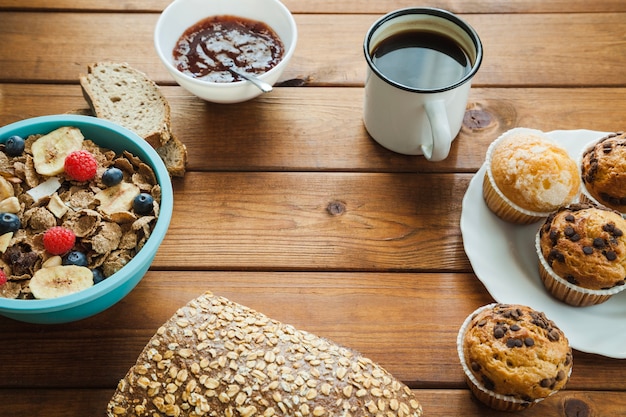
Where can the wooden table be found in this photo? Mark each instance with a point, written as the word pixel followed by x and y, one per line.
pixel 290 208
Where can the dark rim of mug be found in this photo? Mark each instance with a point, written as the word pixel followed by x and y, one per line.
pixel 434 12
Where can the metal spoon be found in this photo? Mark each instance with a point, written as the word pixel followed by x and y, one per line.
pixel 262 85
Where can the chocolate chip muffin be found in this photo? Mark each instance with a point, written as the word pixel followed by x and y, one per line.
pixel 528 175
pixel 603 171
pixel 513 356
pixel 582 253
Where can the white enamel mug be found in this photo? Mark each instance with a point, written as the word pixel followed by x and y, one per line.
pixel 415 120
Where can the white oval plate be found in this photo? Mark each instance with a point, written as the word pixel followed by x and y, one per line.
pixel 504 260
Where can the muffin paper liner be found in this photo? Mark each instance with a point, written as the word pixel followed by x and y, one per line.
pixel 497 202
pixel 567 292
pixel 490 398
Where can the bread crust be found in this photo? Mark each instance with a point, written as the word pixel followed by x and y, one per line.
pixel 126 96
pixel 120 93
pixel 215 357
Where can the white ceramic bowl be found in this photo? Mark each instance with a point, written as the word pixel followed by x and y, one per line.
pixel 182 14
pixel 103 295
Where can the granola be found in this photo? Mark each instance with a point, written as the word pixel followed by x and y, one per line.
pixel 108 230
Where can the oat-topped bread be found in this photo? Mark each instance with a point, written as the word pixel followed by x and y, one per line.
pixel 582 253
pixel 513 356
pixel 126 96
pixel 603 171
pixel 215 357
pixel 528 176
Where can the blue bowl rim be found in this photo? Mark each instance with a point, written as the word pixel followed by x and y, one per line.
pixel 44 124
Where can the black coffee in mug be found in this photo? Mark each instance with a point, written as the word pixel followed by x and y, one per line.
pixel 421 59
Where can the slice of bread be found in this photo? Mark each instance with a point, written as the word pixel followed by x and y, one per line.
pixel 174 154
pixel 126 96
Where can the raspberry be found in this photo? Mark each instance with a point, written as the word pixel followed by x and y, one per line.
pixel 81 165
pixel 58 240
pixel 3 278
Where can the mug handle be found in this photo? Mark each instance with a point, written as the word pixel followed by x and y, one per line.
pixel 439 148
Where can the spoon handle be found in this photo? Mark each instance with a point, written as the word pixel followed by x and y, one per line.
pixel 262 85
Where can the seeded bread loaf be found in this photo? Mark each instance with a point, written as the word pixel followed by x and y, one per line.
pixel 603 171
pixel 513 356
pixel 215 357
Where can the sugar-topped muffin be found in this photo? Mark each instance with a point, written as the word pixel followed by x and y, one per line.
pixel 528 176
pixel 603 171
pixel 582 253
pixel 513 356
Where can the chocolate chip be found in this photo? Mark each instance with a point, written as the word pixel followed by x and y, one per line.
pixel 569 231
pixel 610 255
pixel 499 331
pixel 515 327
pixel 599 243
pixel 570 218
pixel 554 335
pixel 560 376
pixel 513 343
pixel 475 366
pixel 587 250
pixel 528 341
pixel 488 383
pixel 545 383
pixel 571 279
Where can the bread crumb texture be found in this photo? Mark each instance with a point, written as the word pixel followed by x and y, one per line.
pixel 586 246
pixel 516 351
pixel 215 357
pixel 534 172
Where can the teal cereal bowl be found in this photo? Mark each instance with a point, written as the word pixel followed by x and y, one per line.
pixel 105 294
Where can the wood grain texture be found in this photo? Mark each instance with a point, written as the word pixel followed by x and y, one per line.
pixel 403 321
pixel 341 7
pixel 289 207
pixel 78 402
pixel 512 58
pixel 285 221
pixel 321 129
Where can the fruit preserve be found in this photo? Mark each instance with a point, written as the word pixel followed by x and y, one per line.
pixel 207 49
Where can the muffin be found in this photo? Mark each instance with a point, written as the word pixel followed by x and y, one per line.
pixel 582 253
pixel 603 172
pixel 513 357
pixel 528 176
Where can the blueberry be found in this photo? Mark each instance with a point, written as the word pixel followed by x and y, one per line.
pixel 14 145
pixel 9 222
pixel 75 258
pixel 112 176
pixel 98 276
pixel 142 204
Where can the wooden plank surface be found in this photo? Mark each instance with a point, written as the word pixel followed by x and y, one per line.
pixel 324 125
pixel 373 313
pixel 437 402
pixel 512 58
pixel 340 7
pixel 304 217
